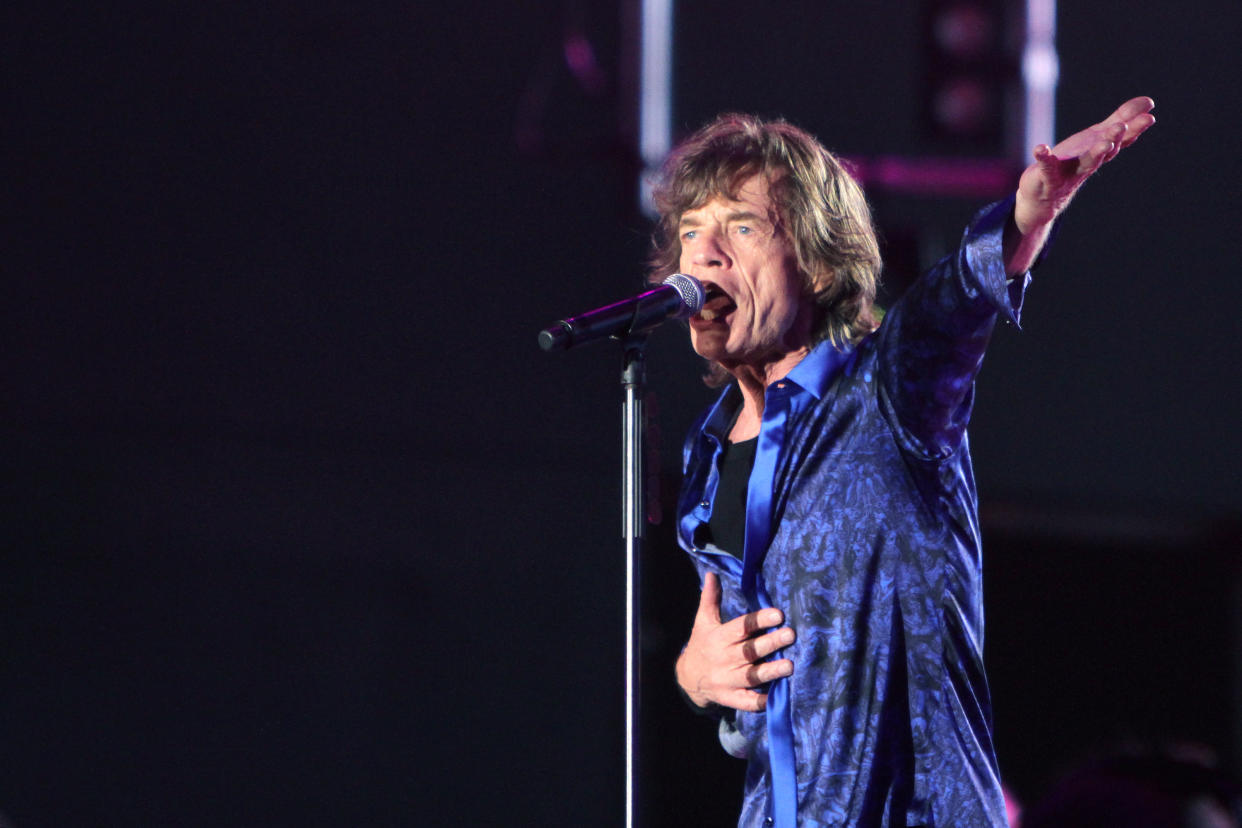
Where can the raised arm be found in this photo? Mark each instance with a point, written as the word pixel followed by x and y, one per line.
pixel 1048 185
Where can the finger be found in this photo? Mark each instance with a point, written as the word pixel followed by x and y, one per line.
pixel 752 622
pixel 1137 126
pixel 747 700
pixel 766 671
pixel 1136 115
pixel 1048 162
pixel 709 599
pixel 1132 108
pixel 1100 153
pixel 764 645
pixel 1055 169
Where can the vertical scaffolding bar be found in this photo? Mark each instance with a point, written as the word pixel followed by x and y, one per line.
pixel 655 94
pixel 1040 71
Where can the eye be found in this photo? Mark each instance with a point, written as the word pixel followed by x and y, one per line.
pixel 744 229
pixel 690 234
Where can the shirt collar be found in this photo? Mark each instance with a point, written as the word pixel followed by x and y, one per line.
pixel 814 374
pixel 817 370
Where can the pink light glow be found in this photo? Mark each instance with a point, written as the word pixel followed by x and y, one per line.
pixel 966 177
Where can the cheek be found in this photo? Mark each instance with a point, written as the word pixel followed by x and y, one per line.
pixel 780 307
pixel 777 294
pixel 783 315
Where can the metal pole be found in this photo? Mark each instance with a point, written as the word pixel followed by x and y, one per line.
pixel 633 520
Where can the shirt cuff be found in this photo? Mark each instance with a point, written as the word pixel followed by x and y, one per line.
pixel 983 251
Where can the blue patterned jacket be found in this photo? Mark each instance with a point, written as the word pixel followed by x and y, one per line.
pixel 862 527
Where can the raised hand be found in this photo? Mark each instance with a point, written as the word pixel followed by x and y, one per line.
pixel 722 662
pixel 1047 186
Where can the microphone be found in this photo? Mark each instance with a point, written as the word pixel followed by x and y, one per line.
pixel 678 297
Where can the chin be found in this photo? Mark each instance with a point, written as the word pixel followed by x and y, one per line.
pixel 711 348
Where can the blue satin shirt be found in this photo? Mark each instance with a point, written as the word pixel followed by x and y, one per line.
pixel 862 527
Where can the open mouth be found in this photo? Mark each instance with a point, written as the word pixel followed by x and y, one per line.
pixel 716 304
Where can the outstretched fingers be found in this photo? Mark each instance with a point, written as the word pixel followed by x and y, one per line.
pixel 1048 185
pixel 1136 115
pixel 1127 123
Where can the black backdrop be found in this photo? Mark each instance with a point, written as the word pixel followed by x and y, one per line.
pixel 301 528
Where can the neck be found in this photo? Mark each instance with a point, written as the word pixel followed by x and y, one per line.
pixel 753 381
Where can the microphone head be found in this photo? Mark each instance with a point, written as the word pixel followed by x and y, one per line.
pixel 691 291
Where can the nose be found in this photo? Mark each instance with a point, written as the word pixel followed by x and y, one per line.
pixel 707 251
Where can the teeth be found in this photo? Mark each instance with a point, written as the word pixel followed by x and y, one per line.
pixel 708 314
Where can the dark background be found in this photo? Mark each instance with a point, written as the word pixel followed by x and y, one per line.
pixel 301 528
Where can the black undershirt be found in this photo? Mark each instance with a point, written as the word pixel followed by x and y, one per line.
pixel 727 527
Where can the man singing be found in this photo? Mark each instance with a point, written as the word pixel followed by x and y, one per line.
pixel 828 500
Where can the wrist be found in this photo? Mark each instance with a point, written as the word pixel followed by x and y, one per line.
pixel 1023 242
pixel 690 688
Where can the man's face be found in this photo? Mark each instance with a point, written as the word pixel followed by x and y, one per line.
pixel 755 311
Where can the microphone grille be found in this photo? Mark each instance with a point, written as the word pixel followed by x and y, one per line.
pixel 691 291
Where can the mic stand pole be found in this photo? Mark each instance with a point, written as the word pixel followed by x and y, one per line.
pixel 633 505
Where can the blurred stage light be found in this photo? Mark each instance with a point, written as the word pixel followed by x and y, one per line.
pixel 964 30
pixel 969 64
pixel 962 106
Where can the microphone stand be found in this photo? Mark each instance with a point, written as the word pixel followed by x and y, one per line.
pixel 633 518
pixel 638 317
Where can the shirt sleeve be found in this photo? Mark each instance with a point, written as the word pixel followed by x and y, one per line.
pixel 931 343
